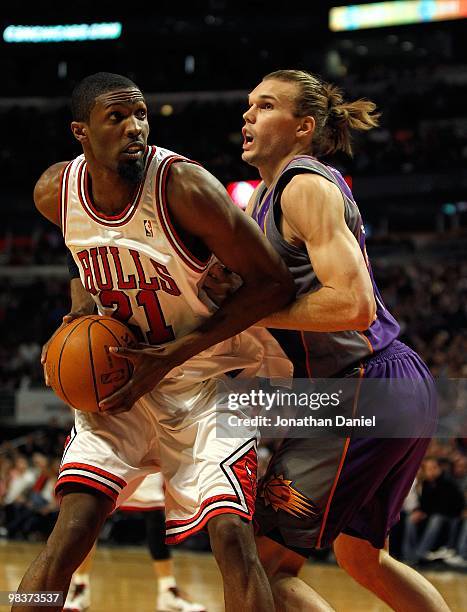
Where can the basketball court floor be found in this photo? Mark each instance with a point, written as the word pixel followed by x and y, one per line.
pixel 122 580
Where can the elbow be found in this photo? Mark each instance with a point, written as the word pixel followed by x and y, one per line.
pixel 364 313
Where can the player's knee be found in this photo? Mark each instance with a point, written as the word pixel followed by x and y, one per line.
pixel 65 553
pixel 232 537
pixel 73 535
pixel 78 524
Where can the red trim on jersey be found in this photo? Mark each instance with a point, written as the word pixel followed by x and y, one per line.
pixel 179 537
pixel 78 184
pixel 63 196
pixel 182 251
pixel 88 482
pixel 98 213
pixel 92 468
pixel 60 199
pixel 112 220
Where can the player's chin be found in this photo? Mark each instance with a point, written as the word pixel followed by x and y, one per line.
pixel 248 157
pixel 131 170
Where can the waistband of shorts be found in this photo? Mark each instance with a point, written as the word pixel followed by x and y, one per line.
pixel 392 351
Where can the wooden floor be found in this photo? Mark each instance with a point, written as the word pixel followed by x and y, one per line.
pixel 122 580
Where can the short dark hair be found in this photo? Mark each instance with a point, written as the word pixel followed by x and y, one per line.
pixel 86 91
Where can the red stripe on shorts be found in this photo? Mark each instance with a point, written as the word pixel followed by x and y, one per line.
pixel 179 537
pixel 100 486
pixel 207 502
pixel 92 468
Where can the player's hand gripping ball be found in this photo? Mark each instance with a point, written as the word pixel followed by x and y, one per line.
pixel 80 368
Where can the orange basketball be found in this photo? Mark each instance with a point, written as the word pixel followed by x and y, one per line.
pixel 79 366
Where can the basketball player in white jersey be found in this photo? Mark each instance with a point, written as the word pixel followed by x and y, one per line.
pixel 142 223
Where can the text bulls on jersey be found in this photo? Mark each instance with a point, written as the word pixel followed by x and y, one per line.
pixel 103 270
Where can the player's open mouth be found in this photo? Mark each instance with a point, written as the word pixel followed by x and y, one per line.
pixel 247 139
pixel 134 151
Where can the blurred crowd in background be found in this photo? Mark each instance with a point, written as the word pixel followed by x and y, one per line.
pixel 422 129
pixel 408 177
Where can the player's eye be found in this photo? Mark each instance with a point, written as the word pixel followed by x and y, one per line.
pixel 116 116
pixel 141 114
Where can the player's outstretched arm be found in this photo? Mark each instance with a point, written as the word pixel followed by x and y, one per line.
pixel 201 207
pixel 313 214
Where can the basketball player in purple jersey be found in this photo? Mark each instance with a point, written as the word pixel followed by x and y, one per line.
pixel 347 491
pixel 154 219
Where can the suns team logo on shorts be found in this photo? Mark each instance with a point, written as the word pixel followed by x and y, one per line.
pixel 280 495
pixel 148 228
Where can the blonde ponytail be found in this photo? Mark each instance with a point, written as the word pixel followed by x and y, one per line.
pixel 344 117
pixel 335 119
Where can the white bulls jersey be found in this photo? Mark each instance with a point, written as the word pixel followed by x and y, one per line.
pixel 138 271
pixel 133 263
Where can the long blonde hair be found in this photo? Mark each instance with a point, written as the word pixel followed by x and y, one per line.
pixel 334 118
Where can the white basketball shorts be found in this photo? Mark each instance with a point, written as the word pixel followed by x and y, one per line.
pixel 172 432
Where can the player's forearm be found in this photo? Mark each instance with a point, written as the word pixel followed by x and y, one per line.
pixel 326 310
pixel 249 304
pixel 81 301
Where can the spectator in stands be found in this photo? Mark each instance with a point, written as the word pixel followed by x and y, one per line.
pixel 21 480
pixel 454 553
pixel 440 506
pixel 41 504
pixel 36 510
pixel 457 556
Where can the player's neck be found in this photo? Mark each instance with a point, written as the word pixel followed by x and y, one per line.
pixel 270 171
pixel 110 192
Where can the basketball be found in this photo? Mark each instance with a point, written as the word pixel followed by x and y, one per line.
pixel 79 366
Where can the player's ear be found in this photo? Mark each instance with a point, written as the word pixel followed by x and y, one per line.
pixel 306 126
pixel 79 130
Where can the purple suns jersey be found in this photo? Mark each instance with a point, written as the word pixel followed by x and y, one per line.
pixel 320 354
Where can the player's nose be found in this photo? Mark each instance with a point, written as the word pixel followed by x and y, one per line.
pixel 249 115
pixel 133 127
